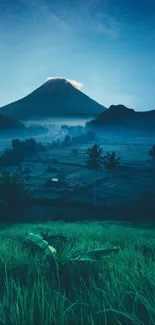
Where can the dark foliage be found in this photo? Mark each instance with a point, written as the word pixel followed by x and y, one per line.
pixel 111 162
pixel 20 150
pixel 12 157
pixel 13 197
pixel 95 158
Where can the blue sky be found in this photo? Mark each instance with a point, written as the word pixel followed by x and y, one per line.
pixel 107 46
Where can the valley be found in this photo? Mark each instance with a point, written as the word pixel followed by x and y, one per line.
pixel 59 177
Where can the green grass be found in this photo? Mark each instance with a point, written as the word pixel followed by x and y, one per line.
pixel 119 289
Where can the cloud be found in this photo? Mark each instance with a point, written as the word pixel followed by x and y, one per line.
pixel 76 84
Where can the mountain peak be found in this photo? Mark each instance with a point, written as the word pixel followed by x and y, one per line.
pixel 120 108
pixel 57 97
pixel 54 80
pixel 63 81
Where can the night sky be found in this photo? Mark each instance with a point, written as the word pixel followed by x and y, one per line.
pixel 107 46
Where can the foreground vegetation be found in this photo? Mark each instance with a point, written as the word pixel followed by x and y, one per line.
pixel 117 289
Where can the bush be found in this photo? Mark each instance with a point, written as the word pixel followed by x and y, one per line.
pixel 20 149
pixel 13 197
pixel 12 157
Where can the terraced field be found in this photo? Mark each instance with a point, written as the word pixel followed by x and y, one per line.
pixel 135 177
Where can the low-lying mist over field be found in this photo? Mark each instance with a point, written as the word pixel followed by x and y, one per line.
pixel 60 121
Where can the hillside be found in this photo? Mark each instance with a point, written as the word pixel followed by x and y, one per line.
pixel 120 118
pixel 55 98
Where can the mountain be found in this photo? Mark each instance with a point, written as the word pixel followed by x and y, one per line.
pixel 57 97
pixel 119 118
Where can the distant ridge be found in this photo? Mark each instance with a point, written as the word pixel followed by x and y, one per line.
pixel 57 97
pixel 119 118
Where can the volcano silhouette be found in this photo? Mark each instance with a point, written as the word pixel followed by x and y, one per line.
pixel 57 97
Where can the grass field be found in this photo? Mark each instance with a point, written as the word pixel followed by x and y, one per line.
pixel 118 289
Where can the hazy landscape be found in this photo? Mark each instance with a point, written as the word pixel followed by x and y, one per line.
pixel 76 199
pixel 77 162
pixel 51 158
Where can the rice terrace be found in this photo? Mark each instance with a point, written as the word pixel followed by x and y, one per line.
pixel 62 174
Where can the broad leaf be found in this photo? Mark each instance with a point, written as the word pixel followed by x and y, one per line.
pixel 43 244
pixel 96 254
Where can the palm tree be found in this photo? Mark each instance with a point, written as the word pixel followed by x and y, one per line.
pixel 111 162
pixel 95 160
pixel 151 152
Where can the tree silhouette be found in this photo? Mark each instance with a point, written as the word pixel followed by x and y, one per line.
pixel 95 158
pixel 151 152
pixel 111 162
pixel 95 161
pixel 16 143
